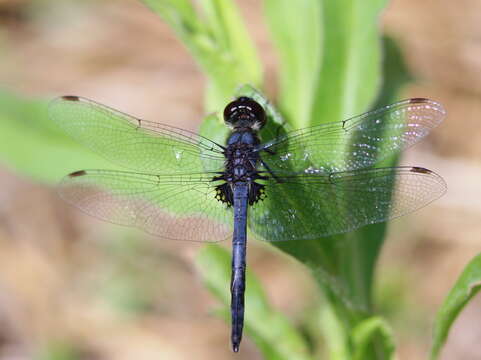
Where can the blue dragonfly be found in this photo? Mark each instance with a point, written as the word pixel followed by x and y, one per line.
pixel 183 186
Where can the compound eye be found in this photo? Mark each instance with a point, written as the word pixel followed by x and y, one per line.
pixel 244 107
pixel 229 110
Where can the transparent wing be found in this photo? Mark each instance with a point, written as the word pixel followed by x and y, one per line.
pixel 178 207
pixel 310 206
pixel 134 143
pixel 355 143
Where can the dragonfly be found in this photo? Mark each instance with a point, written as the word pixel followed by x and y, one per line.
pixel 299 185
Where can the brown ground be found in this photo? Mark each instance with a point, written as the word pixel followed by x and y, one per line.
pixel 56 281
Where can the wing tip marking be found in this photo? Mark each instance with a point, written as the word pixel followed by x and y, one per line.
pixel 418 100
pixel 420 170
pixel 70 98
pixel 77 173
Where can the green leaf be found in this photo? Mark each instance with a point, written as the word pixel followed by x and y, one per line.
pixel 467 285
pixel 230 33
pixel 366 243
pixel 395 73
pixel 30 143
pixel 364 334
pixel 331 67
pixel 348 83
pixel 296 29
pixel 276 338
pixel 335 335
pixel 350 75
pixel 218 41
pixel 362 337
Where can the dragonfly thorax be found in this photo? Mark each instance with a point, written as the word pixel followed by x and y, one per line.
pixel 240 166
pixel 241 160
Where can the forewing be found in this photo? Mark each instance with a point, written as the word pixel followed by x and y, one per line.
pixel 356 143
pixel 178 207
pixel 137 144
pixel 311 206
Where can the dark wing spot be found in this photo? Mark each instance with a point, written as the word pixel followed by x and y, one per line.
pixel 420 170
pixel 78 173
pixel 71 98
pixel 418 100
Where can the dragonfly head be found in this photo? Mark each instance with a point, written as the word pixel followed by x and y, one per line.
pixel 244 112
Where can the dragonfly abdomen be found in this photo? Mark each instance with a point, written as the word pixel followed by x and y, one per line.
pixel 239 247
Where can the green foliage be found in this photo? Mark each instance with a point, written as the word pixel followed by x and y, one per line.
pixel 350 75
pixel 364 333
pixel 466 287
pixel 297 31
pixel 218 41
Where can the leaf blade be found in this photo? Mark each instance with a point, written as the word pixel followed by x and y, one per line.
pixel 297 33
pixel 350 76
pixel 466 287
pixel 218 41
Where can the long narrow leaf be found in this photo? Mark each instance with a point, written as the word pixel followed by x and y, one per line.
pixel 218 41
pixel 467 285
pixel 296 28
pixel 350 76
pixel 231 35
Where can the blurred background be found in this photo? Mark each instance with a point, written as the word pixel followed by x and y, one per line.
pixel 72 287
